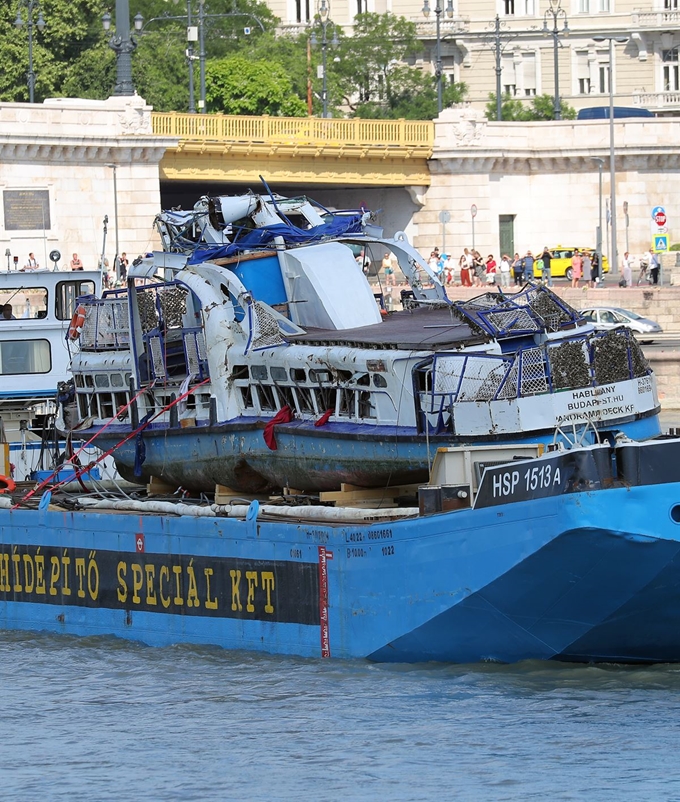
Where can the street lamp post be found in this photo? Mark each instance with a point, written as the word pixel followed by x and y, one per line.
pixel 556 12
pixel 202 17
pixel 192 36
pixel 123 45
pixel 612 152
pixel 40 25
pixel 499 69
pixel 324 14
pixel 438 71
pixel 116 266
pixel 598 238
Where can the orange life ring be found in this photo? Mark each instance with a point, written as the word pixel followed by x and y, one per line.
pixel 9 484
pixel 77 322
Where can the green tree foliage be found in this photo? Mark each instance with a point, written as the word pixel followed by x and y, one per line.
pixel 541 108
pixel 290 52
pixel 376 72
pixel 412 96
pixel 238 85
pixel 71 27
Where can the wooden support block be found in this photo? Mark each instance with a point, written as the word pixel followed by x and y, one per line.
pixel 225 495
pixel 370 504
pixel 360 494
pixel 157 487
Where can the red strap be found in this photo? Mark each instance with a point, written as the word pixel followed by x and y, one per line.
pixel 323 420
pixel 284 415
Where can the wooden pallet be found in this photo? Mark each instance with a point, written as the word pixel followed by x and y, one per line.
pixel 368 497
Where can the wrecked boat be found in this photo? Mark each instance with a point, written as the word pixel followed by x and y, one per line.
pixel 252 352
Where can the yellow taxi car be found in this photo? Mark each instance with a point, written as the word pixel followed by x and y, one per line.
pixel 560 265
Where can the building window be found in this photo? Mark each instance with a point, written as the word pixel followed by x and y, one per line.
pixel 508 75
pixel 604 7
pixel 302 11
pixel 583 72
pixel 522 8
pixel 528 74
pixel 671 5
pixel 671 70
pixel 362 6
pixel 604 74
pixel 584 6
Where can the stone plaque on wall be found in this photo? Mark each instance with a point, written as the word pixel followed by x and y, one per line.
pixel 26 209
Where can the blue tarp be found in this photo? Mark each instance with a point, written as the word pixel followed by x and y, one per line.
pixel 261 237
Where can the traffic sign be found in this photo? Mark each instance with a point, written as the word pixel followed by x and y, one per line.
pixel 444 217
pixel 660 243
pixel 659 216
pixel 473 210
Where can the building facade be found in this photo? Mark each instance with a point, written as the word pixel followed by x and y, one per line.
pixel 645 69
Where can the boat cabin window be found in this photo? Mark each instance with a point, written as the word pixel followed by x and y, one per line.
pixel 22 303
pixel 25 356
pixel 67 294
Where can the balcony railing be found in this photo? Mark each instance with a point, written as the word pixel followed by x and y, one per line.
pixel 295 130
pixel 656 19
pixel 657 100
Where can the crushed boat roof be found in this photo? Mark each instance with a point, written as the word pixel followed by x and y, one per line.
pixel 420 329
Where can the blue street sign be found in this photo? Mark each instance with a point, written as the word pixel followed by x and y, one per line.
pixel 660 243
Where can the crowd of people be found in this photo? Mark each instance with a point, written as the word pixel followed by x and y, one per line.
pixel 474 270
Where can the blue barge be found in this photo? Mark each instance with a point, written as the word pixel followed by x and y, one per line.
pixel 572 555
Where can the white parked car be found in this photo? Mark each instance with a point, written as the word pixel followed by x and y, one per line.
pixel 610 317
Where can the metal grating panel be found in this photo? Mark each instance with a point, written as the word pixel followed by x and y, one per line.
pixel 534 379
pixel 157 357
pixel 266 332
pixel 192 354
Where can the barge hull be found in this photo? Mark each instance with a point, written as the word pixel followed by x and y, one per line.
pixel 577 576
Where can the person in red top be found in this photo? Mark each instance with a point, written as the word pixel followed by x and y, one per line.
pixel 491 269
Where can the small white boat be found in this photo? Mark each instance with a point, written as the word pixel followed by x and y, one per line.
pixel 36 309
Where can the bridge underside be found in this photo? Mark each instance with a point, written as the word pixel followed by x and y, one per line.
pixel 293 166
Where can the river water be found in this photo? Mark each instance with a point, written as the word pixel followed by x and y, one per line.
pixel 103 719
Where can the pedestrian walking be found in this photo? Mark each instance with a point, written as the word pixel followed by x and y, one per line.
pixel 517 269
pixel 465 265
pixel 505 271
pixel 546 256
pixel 626 271
pixel 491 268
pixel 655 268
pixel 595 270
pixel 479 268
pixel 576 269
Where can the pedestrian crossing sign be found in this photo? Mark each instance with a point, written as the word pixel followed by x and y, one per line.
pixel 660 243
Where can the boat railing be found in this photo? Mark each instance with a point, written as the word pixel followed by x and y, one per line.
pixel 529 311
pixel 106 324
pixel 572 364
pixel 170 356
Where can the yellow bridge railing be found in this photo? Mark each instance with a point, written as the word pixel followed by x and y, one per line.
pixel 409 135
